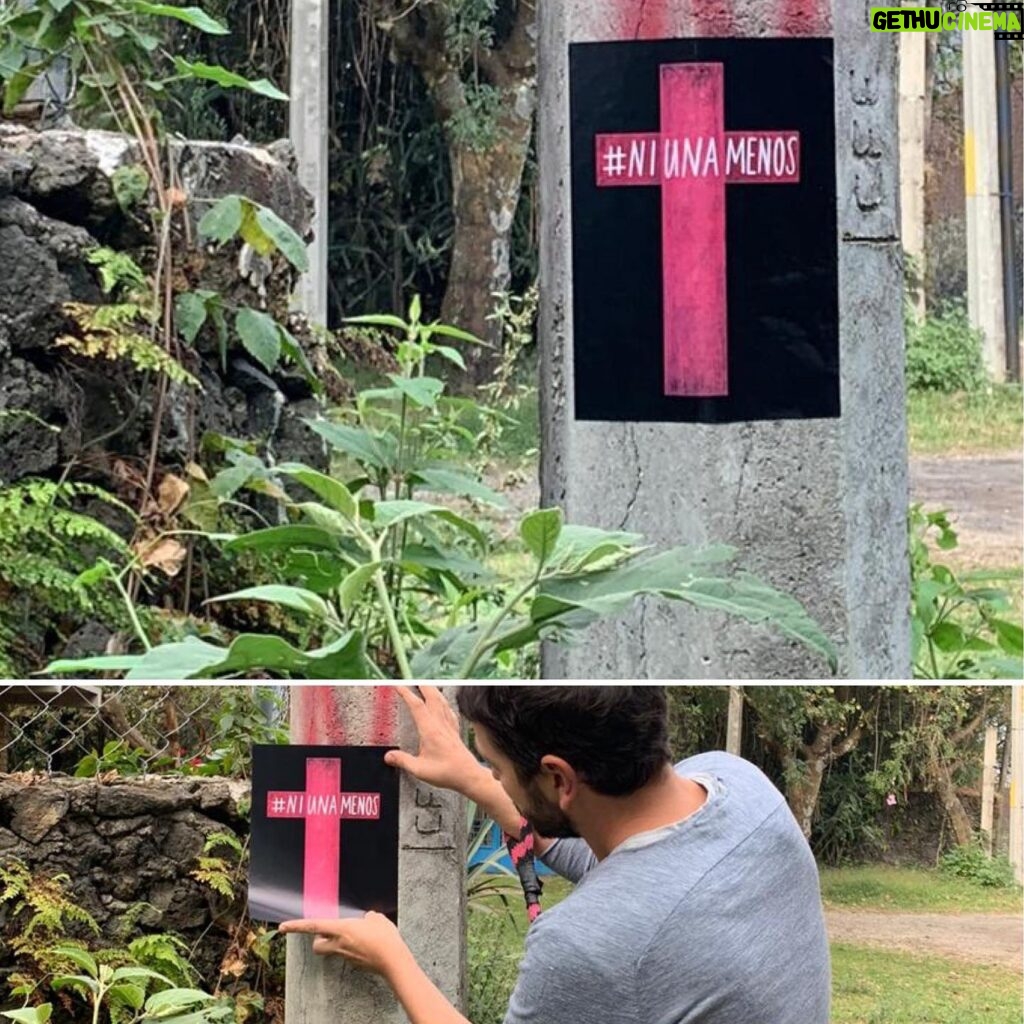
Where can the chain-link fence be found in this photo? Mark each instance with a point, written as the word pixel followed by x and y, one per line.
pixel 89 729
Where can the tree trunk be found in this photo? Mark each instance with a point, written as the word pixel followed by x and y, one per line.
pixel 486 187
pixel 802 795
pixel 942 779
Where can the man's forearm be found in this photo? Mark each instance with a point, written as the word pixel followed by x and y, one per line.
pixel 421 999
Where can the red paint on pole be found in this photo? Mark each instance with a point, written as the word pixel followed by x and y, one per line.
pixel 713 17
pixel 803 18
pixel 692 159
pixel 385 716
pixel 316 716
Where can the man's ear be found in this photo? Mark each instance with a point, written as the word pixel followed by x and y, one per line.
pixel 560 779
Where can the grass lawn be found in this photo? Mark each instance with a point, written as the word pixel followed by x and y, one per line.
pixel 869 986
pixel 879 887
pixel 875 987
pixel 965 424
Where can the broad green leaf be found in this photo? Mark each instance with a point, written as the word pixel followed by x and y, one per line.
pixel 19 83
pixel 947 637
pixel 189 315
pixel 296 598
pixel 127 994
pixel 193 658
pixel 389 513
pixel 194 16
pixel 420 556
pixel 252 231
pixel 1011 636
pixel 353 585
pixel 378 320
pixel 285 238
pixel 260 335
pixel 226 78
pixel 176 999
pixel 287 537
pixel 138 974
pixel 421 391
pixel 223 220
pixel 540 531
pixel 29 1014
pixel 356 442
pixel 334 492
pixel 454 332
pixel 79 957
pixel 587 547
pixel 292 351
pixel 691 575
pixel 449 481
pixel 326 518
pixel 453 355
pixel 415 309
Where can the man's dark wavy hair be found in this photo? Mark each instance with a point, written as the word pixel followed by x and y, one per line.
pixel 616 737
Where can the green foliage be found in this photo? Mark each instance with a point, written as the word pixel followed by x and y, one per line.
pixel 118 984
pixel 244 718
pixel 48 554
pixel 944 352
pixel 114 48
pixel 221 873
pixel 116 756
pixel 384 566
pixel 41 907
pixel 973 863
pixel 113 332
pixel 846 826
pixel 959 625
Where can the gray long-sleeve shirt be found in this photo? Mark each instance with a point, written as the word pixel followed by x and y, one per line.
pixel 714 920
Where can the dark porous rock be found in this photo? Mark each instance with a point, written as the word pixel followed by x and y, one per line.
pixel 35 811
pixel 151 796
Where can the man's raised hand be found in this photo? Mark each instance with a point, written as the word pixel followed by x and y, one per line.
pixel 443 759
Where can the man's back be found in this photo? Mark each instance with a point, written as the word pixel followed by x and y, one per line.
pixel 714 920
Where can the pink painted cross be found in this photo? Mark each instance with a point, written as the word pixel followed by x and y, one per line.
pixel 323 805
pixel 692 159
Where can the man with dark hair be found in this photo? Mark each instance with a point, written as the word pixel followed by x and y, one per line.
pixel 697 899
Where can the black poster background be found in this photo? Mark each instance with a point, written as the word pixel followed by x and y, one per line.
pixel 782 249
pixel 369 849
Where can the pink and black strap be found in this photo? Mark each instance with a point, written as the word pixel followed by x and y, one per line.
pixel 520 849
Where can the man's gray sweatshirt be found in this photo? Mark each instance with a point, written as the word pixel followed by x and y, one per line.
pixel 716 919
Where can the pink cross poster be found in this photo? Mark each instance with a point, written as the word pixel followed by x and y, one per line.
pixel 324 833
pixel 705 250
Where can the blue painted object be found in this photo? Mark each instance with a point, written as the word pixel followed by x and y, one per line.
pixel 494 841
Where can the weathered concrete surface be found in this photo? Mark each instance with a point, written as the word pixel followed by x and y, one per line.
pixel 817 508
pixel 431 868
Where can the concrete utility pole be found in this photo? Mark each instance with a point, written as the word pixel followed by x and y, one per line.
pixel 981 184
pixel 431 869
pixel 1016 851
pixel 816 506
pixel 309 121
pixel 734 730
pixel 988 786
pixel 913 125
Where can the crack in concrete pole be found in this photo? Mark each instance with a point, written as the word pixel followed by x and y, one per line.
pixel 631 434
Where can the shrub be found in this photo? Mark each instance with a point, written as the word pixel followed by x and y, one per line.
pixel 971 862
pixel 944 352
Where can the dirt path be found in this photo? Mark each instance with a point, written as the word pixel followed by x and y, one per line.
pixel 985 496
pixel 981 938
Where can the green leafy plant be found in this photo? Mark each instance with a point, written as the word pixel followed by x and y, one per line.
pixel 973 863
pixel 944 352
pixel 116 756
pixel 386 568
pixel 115 47
pixel 220 873
pixel 959 625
